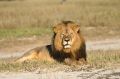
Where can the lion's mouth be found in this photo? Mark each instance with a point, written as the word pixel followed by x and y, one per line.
pixel 67 46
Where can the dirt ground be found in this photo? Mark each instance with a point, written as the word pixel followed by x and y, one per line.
pixel 109 73
pixel 93 74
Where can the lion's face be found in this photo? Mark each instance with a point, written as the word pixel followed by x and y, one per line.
pixel 66 36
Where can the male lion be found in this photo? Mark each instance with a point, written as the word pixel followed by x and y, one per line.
pixel 67 46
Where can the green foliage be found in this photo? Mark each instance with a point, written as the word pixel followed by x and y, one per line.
pixel 23 32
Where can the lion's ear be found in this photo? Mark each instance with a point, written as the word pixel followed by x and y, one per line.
pixel 56 29
pixel 77 28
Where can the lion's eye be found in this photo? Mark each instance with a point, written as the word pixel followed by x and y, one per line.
pixel 62 35
pixel 71 33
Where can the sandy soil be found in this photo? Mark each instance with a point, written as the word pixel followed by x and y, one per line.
pixel 108 44
pixel 93 74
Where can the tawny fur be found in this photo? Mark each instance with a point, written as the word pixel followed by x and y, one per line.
pixel 56 51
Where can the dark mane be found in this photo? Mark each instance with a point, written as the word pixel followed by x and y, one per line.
pixel 67 22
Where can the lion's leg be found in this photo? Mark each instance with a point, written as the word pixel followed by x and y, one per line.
pixel 29 56
pixel 23 59
pixel 81 56
pixel 82 61
pixel 70 61
pixel 41 55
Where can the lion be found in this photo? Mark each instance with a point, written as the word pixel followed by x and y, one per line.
pixel 68 46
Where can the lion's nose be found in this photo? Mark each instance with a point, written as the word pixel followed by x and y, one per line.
pixel 67 39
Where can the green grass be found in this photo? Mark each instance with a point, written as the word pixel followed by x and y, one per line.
pixel 23 32
pixel 96 59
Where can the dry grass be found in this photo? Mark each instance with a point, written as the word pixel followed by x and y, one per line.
pixel 38 13
pixel 96 59
pixel 25 66
pixel 98 14
pixel 101 59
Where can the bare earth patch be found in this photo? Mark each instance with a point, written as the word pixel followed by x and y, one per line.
pixel 93 74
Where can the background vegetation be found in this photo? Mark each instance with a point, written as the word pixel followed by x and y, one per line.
pixel 23 18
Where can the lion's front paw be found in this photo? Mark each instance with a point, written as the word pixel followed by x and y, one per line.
pixel 82 62
pixel 70 62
